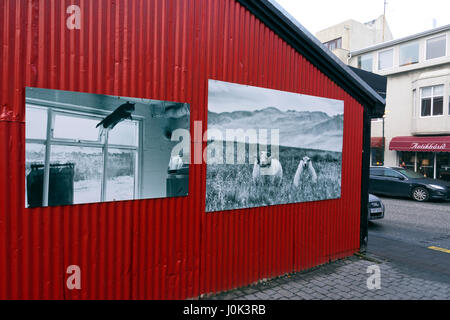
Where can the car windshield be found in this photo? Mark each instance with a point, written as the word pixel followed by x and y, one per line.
pixel 410 174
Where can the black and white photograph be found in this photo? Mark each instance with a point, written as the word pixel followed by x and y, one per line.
pixel 269 147
pixel 87 148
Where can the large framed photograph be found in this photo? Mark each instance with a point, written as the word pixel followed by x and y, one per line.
pixel 86 148
pixel 268 147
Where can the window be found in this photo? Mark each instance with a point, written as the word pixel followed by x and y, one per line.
pixel 75 128
pixel 432 101
pixel 365 62
pixel 37 128
pixel 377 156
pixel 407 160
pixel 443 166
pixel 385 59
pixel 425 164
pixel 334 44
pixel 436 47
pixel 104 162
pixel 409 53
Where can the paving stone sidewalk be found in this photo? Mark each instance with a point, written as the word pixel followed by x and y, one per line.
pixel 343 280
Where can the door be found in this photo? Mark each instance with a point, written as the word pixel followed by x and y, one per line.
pixel 376 180
pixel 395 184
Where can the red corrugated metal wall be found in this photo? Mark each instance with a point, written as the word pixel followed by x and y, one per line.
pixel 163 248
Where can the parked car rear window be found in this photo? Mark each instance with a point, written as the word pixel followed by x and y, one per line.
pixel 410 174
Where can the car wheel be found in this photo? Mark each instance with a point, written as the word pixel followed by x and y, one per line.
pixel 420 194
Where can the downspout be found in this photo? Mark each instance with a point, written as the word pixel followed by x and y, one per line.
pixel 365 182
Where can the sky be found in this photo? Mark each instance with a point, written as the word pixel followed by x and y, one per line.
pixel 229 97
pixel 405 17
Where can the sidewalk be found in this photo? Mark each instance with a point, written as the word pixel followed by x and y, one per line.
pixel 343 279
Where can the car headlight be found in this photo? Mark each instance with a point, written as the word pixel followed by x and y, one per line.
pixel 435 186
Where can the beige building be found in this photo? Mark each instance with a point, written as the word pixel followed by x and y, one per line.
pixel 352 35
pixel 416 125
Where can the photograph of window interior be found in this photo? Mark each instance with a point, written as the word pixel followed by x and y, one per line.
pixel 87 148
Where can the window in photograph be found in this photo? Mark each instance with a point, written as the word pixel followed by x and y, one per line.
pixel 76 128
pixel 125 134
pixel 78 151
pixel 409 53
pixel 86 166
pixel 385 59
pixel 432 101
pixel 436 47
pixel 121 172
pixel 36 119
pixel 365 62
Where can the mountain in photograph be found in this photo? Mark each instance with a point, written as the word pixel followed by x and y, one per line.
pixel 299 129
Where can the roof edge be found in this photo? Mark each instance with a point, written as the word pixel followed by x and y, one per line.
pixel 401 40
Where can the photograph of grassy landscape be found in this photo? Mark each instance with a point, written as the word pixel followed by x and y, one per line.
pixel 310 131
pixel 227 185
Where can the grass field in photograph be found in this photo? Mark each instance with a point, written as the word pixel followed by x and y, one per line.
pixel 230 186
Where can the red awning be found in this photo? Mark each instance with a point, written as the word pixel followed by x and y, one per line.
pixel 421 144
pixel 377 142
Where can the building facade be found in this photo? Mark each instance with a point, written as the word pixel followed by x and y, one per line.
pixel 415 131
pixel 352 35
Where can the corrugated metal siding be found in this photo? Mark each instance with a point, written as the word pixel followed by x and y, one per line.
pixel 163 248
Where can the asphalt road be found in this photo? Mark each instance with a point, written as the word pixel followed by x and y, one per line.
pixel 406 233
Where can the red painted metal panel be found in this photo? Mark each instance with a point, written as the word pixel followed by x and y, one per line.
pixel 162 248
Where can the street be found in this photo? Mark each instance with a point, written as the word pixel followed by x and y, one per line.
pixel 407 232
pixel 398 245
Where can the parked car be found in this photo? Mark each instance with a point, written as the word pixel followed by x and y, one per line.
pixel 376 208
pixel 402 182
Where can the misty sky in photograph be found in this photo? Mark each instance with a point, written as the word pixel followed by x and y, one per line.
pixel 405 17
pixel 229 97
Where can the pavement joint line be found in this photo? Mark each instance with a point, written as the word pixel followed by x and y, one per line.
pixel 439 249
pixel 368 258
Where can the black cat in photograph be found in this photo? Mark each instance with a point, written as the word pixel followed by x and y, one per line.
pixel 123 112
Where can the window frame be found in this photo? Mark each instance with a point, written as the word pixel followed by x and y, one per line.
pixel 432 101
pixel 359 61
pixel 400 53
pixel 337 42
pixel 392 60
pixel 434 37
pixel 102 144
